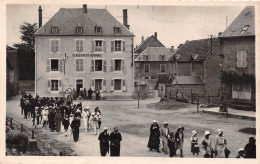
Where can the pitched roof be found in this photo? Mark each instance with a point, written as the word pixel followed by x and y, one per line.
pixel 235 29
pixel 188 80
pixel 154 54
pixel 151 41
pixel 197 49
pixel 68 18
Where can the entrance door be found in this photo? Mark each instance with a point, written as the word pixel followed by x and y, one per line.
pixel 79 84
pixel 241 91
pixel 98 84
pixel 118 84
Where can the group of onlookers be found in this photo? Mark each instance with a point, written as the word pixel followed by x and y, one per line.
pixel 84 94
pixel 173 141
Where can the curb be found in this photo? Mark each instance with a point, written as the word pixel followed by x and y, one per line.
pixel 230 115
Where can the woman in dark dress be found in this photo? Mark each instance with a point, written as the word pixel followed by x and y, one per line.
pixel 75 124
pixel 194 143
pixel 154 139
pixel 171 144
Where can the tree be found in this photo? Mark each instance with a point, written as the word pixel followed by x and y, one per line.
pixel 26 54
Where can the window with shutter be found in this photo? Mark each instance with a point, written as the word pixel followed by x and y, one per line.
pixel 124 86
pixel 146 68
pixel 49 85
pixel 112 46
pixel 92 65
pixel 105 65
pixel 79 65
pixel 61 66
pixel 48 66
pixel 54 46
pixel 93 85
pixel 79 45
pixel 112 86
pixel 60 86
pixel 92 46
pixel 104 46
pixel 104 85
pixel 123 65
pixel 241 59
pixel 98 46
pixel 54 64
pixel 118 45
pixel 123 45
pixel 112 66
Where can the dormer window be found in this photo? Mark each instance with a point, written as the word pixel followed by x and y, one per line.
pixel 79 30
pixel 194 56
pixel 117 30
pixel 245 28
pixel 98 30
pixel 162 57
pixel 54 30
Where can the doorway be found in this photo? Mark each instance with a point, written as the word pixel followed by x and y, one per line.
pixel 79 84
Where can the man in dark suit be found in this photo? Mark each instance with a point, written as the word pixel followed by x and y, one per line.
pixel 104 142
pixel 115 138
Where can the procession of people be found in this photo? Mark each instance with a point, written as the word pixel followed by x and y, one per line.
pixel 55 112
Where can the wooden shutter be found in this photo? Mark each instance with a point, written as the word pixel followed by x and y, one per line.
pixel 112 86
pixel 105 65
pixel 239 56
pixel 49 85
pixel 92 85
pixel 124 86
pixel 112 46
pixel 123 45
pixel 48 66
pixel 104 46
pixel 61 65
pixel 60 86
pixel 104 85
pixel 77 64
pixel 92 65
pixel 243 58
pixel 123 65
pixel 112 66
pixel 92 46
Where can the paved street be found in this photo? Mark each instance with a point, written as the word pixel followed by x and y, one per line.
pixel 134 124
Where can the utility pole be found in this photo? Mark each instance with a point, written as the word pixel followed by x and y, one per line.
pixel 138 89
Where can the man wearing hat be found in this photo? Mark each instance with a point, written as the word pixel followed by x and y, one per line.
pixel 206 145
pixel 241 153
pixel 104 142
pixel 154 138
pixel 179 138
pixel 165 133
pixel 115 139
pixel 220 145
pixel 75 124
pixel 250 148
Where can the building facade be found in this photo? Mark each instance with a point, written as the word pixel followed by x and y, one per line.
pixel 81 49
pixel 237 46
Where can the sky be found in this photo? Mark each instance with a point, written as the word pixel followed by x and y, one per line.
pixel 174 24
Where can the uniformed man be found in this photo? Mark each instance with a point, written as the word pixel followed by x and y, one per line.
pixel 75 124
pixel 104 142
pixel 115 139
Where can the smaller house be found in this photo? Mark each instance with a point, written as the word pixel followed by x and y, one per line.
pixel 12 71
pixel 151 41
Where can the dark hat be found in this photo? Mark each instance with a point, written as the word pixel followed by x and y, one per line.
pixel 180 127
pixel 116 128
pixel 251 139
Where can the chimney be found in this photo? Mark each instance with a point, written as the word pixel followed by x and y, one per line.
pixel 142 39
pixel 125 23
pixel 85 9
pixel 155 35
pixel 40 16
pixel 172 48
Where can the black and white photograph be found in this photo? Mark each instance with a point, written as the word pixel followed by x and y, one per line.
pixel 158 81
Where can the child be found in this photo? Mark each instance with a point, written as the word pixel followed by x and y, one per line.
pixel 194 143
pixel 44 118
pixel 171 144
pixel 241 153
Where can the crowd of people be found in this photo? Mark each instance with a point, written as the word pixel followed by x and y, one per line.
pixel 55 112
pixel 173 141
pixel 84 94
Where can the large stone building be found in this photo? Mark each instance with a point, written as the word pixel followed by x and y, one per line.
pixel 237 46
pixel 84 48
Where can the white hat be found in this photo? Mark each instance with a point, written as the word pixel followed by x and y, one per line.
pixel 93 113
pixel 207 133
pixel 193 132
pixel 154 120
pixel 86 107
pixel 105 128
pixel 241 149
pixel 220 131
pixel 165 123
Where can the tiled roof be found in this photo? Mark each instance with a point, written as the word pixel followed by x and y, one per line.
pixel 67 19
pixel 155 53
pixel 246 17
pixel 188 80
pixel 151 41
pixel 198 49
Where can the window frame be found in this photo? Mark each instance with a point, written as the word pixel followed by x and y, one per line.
pixel 102 70
pixel 121 87
pixel 58 40
pixel 121 59
pixel 57 66
pixel 161 68
pixel 101 83
pixel 79 30
pixel 102 45
pixel 241 59
pixel 75 46
pixel 121 45
pixel 52 91
pixel 83 86
pixel 83 65
pixel 148 67
pixel 56 31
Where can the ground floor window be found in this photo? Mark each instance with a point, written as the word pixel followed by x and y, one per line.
pixel 54 85
pixel 79 85
pixel 98 84
pixel 117 84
